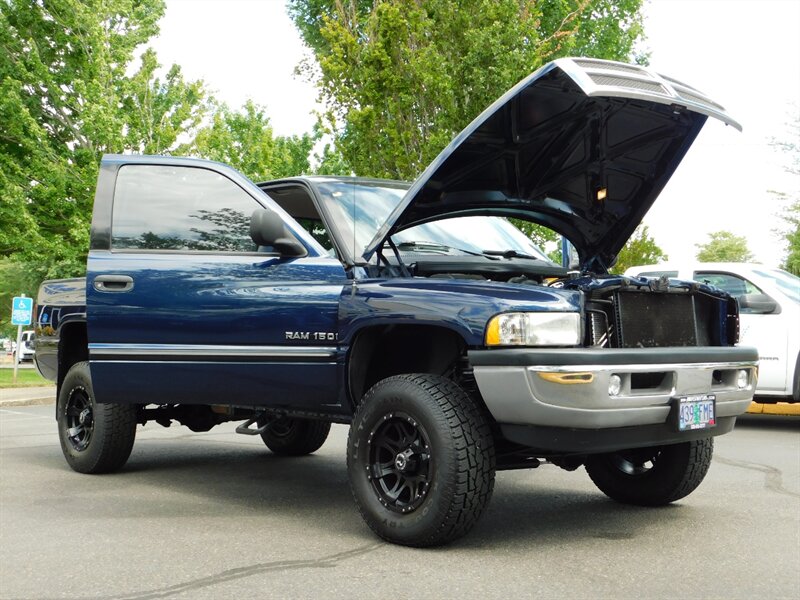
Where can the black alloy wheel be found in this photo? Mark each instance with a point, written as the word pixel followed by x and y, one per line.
pixel 79 419
pixel 290 436
pixel 651 476
pixel 399 462
pixel 637 461
pixel 95 437
pixel 420 459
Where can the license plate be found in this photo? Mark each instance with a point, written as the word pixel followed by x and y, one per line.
pixel 696 412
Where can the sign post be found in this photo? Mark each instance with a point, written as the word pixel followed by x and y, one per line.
pixel 21 314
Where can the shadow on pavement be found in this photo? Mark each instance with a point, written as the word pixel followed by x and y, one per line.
pixel 773 422
pixel 215 478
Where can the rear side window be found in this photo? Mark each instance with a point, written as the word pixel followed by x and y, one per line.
pixel 180 208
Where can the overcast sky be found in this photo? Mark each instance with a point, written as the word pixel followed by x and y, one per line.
pixel 745 54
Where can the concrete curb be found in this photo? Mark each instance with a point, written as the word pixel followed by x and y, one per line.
pixel 27 402
pixel 779 408
pixel 27 396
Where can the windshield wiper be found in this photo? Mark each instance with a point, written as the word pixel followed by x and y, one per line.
pixel 434 246
pixel 510 254
pixel 422 246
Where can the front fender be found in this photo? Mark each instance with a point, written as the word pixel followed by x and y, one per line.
pixel 463 306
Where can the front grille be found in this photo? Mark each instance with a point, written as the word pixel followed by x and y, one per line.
pixel 638 319
pixel 650 320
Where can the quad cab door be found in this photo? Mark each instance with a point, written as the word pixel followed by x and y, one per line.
pixel 183 307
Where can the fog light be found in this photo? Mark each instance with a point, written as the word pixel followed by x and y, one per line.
pixel 741 379
pixel 614 385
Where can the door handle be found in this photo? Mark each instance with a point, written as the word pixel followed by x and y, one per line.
pixel 113 283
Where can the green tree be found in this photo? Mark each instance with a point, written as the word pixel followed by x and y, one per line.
pixel 791 216
pixel 71 89
pixel 245 140
pixel 401 77
pixel 640 249
pixel 789 146
pixel 65 99
pixel 545 238
pixel 15 279
pixel 724 246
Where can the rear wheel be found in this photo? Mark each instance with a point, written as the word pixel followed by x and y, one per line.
pixel 295 437
pixel 651 476
pixel 95 438
pixel 420 459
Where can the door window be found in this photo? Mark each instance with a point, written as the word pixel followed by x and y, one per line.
pixel 180 208
pixel 733 284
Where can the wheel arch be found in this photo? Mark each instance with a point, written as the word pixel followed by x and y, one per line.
pixel 381 351
pixel 73 347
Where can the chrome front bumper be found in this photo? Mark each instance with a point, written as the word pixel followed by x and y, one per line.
pixel 570 388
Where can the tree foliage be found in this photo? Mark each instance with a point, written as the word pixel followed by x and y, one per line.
pixel 789 146
pixel 245 140
pixel 401 77
pixel 545 238
pixel 15 279
pixel 641 249
pixel 724 246
pixel 791 217
pixel 69 92
pixel 76 82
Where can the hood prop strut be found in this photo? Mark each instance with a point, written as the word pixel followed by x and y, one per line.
pixel 381 258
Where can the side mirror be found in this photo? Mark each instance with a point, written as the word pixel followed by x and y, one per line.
pixel 758 303
pixel 268 229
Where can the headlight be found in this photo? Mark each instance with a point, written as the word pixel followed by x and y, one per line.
pixel 534 329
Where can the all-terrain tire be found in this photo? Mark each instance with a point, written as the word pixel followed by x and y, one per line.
pixel 652 476
pixel 95 438
pixel 437 485
pixel 295 437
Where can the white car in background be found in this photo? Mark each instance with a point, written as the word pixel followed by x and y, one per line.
pixel 769 306
pixel 26 350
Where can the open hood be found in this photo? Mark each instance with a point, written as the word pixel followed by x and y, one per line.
pixel 582 146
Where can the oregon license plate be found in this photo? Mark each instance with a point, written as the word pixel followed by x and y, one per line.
pixel 696 412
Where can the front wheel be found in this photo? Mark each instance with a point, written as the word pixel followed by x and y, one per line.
pixel 651 476
pixel 420 459
pixel 95 438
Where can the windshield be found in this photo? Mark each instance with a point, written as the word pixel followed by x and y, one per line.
pixel 786 282
pixel 360 209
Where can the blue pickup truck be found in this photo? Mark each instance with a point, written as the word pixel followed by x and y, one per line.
pixel 416 313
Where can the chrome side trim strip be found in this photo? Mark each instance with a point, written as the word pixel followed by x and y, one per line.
pixel 209 351
pixel 204 361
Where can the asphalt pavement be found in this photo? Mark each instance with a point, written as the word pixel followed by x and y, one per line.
pixel 215 515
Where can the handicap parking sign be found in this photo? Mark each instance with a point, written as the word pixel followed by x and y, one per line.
pixel 21 311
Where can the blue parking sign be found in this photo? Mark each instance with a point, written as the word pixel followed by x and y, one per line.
pixel 21 311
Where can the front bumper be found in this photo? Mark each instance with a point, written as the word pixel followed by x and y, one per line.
pixel 569 388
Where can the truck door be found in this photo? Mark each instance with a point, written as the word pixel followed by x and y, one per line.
pixel 182 306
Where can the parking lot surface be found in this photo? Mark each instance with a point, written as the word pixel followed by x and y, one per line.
pixel 215 515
